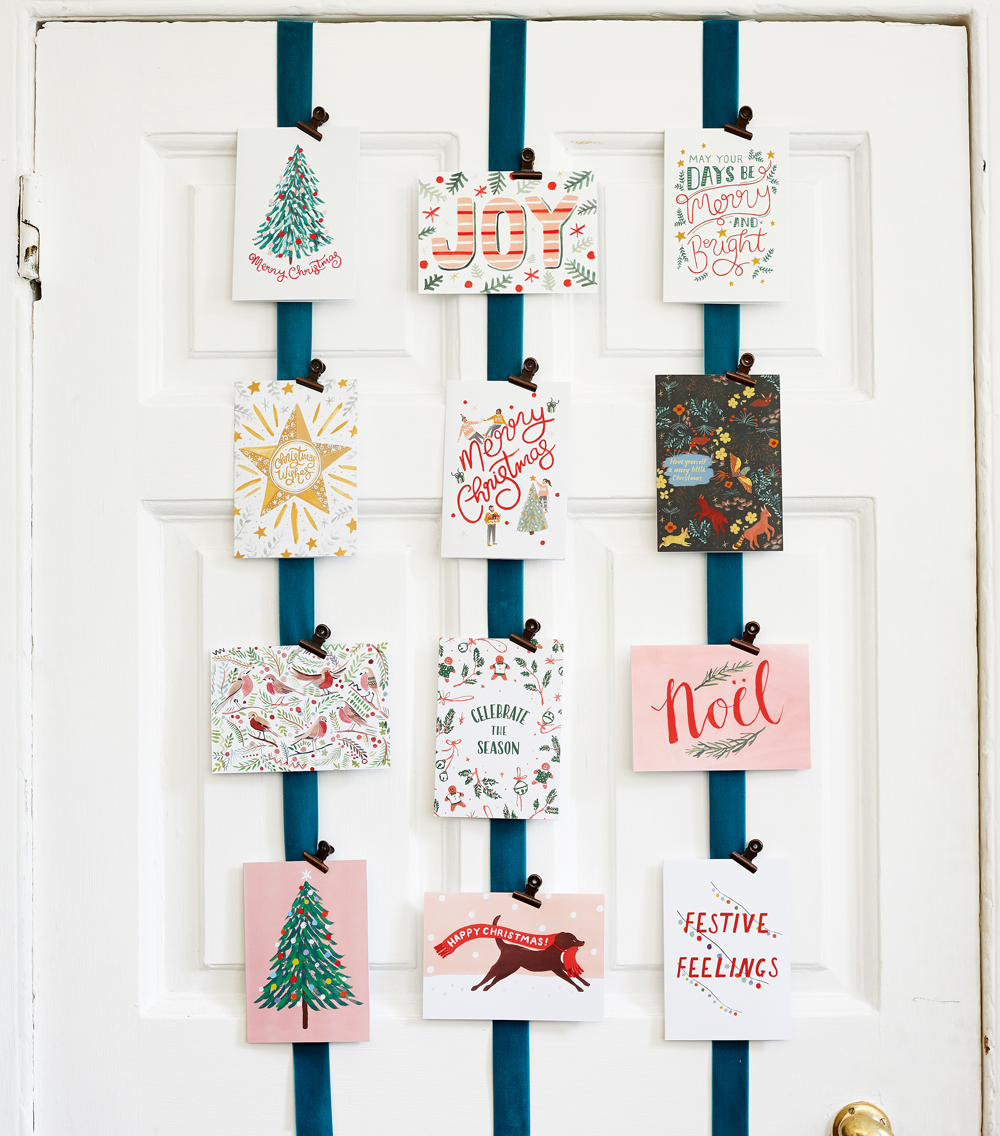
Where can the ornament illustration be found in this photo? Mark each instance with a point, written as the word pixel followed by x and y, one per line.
pixel 532 518
pixel 294 221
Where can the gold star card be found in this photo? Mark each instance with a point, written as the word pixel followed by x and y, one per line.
pixel 295 470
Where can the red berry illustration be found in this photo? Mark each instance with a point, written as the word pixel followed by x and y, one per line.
pixel 423 264
pixel 468 283
pixel 552 185
pixel 567 283
pixel 590 255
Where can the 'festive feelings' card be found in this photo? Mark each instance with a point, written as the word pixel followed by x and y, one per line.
pixel 296 214
pixel 718 464
pixel 725 224
pixel 506 461
pixel 487 955
pixel 717 707
pixel 726 951
pixel 498 749
pixel 295 469
pixel 489 232
pixel 306 951
pixel 284 710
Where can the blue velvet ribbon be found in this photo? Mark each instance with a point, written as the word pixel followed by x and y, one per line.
pixel 505 588
pixel 296 615
pixel 720 98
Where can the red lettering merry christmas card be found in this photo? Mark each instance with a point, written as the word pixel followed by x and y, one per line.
pixel 498 750
pixel 296 214
pixel 726 951
pixel 725 217
pixel 306 951
pixel 717 707
pixel 491 232
pixel 489 956
pixel 506 471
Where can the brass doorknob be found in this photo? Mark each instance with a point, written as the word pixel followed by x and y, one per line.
pixel 861 1119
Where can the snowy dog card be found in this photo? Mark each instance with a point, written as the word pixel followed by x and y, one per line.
pixel 488 955
pixel 306 951
pixel 492 232
pixel 498 749
pixel 295 469
pixel 725 223
pixel 506 465
pixel 296 214
pixel 717 707
pixel 726 951
pixel 284 710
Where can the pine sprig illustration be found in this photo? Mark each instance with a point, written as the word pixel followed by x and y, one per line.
pixel 720 674
pixel 497 182
pixel 578 180
pixel 497 285
pixel 587 207
pixel 682 257
pixel 548 281
pixel 446 726
pixel 698 279
pixel 425 189
pixel 583 276
pixel 456 182
pixel 582 246
pixel 426 232
pixel 680 219
pixel 432 282
pixel 477 272
pixel 725 747
pixel 481 786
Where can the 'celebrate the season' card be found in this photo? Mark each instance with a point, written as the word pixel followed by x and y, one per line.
pixel 717 707
pixel 718 464
pixel 284 710
pixel 489 232
pixel 726 951
pixel 498 749
pixel 306 951
pixel 296 214
pixel 295 469
pixel 506 463
pixel 725 222
pixel 490 956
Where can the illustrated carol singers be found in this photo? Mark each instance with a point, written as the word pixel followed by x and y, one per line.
pixel 492 518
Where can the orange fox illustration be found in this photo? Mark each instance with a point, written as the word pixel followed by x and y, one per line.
pixel 761 528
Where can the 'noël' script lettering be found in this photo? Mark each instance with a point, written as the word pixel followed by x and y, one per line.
pixel 718 710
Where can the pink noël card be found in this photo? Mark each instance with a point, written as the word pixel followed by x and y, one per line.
pixel 306 951
pixel 716 707
pixel 488 955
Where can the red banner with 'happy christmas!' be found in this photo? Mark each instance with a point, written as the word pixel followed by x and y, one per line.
pixel 491 931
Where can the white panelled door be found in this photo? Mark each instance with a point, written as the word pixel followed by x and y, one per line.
pixel 138 849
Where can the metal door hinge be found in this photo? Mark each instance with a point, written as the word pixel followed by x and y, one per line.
pixel 28 214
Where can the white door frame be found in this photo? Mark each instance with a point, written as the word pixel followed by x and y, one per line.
pixel 19 20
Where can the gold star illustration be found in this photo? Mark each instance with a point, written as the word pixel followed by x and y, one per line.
pixel 683 151
pixel 770 153
pixel 261 532
pixel 294 467
pixel 238 436
pixel 352 524
pixel 722 232
pixel 703 145
pixel 236 511
pixel 681 162
pixel 239 556
pixel 288 388
pixel 680 236
pixel 253 388
pixel 772 222
pixel 286 553
pixel 730 283
pixel 311 543
pixel 340 552
pixel 756 260
pixel 354 430
pixel 342 383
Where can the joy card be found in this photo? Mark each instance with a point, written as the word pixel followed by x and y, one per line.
pixel 726 951
pixel 499 712
pixel 494 233
pixel 284 710
pixel 717 707
pixel 506 462
pixel 718 464
pixel 295 469
pixel 306 951
pixel 488 955
pixel 725 222
pixel 296 214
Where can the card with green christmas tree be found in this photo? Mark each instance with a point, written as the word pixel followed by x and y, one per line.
pixel 295 469
pixel 306 936
pixel 725 219
pixel 498 751
pixel 295 229
pixel 506 471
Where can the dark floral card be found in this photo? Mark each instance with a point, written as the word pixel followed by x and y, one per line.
pixel 718 464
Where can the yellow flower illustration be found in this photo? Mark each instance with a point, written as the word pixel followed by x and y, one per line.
pixel 734 527
pixel 724 437
pixel 751 517
pixel 733 400
pixel 661 481
pixel 720 454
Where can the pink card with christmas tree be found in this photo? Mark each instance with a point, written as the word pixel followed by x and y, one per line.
pixel 719 707
pixel 296 214
pixel 488 956
pixel 306 951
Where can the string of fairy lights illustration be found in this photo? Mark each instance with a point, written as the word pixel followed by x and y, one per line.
pixel 699 936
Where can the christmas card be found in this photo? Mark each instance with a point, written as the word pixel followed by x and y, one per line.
pixel 285 710
pixel 499 711
pixel 718 464
pixel 717 707
pixel 726 951
pixel 296 469
pixel 306 951
pixel 296 214
pixel 490 956
pixel 494 233
pixel 506 463
pixel 725 222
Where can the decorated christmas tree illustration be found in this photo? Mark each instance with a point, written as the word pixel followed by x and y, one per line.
pixel 532 515
pixel 306 968
pixel 294 221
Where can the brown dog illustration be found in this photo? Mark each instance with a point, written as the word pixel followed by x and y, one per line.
pixel 560 958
